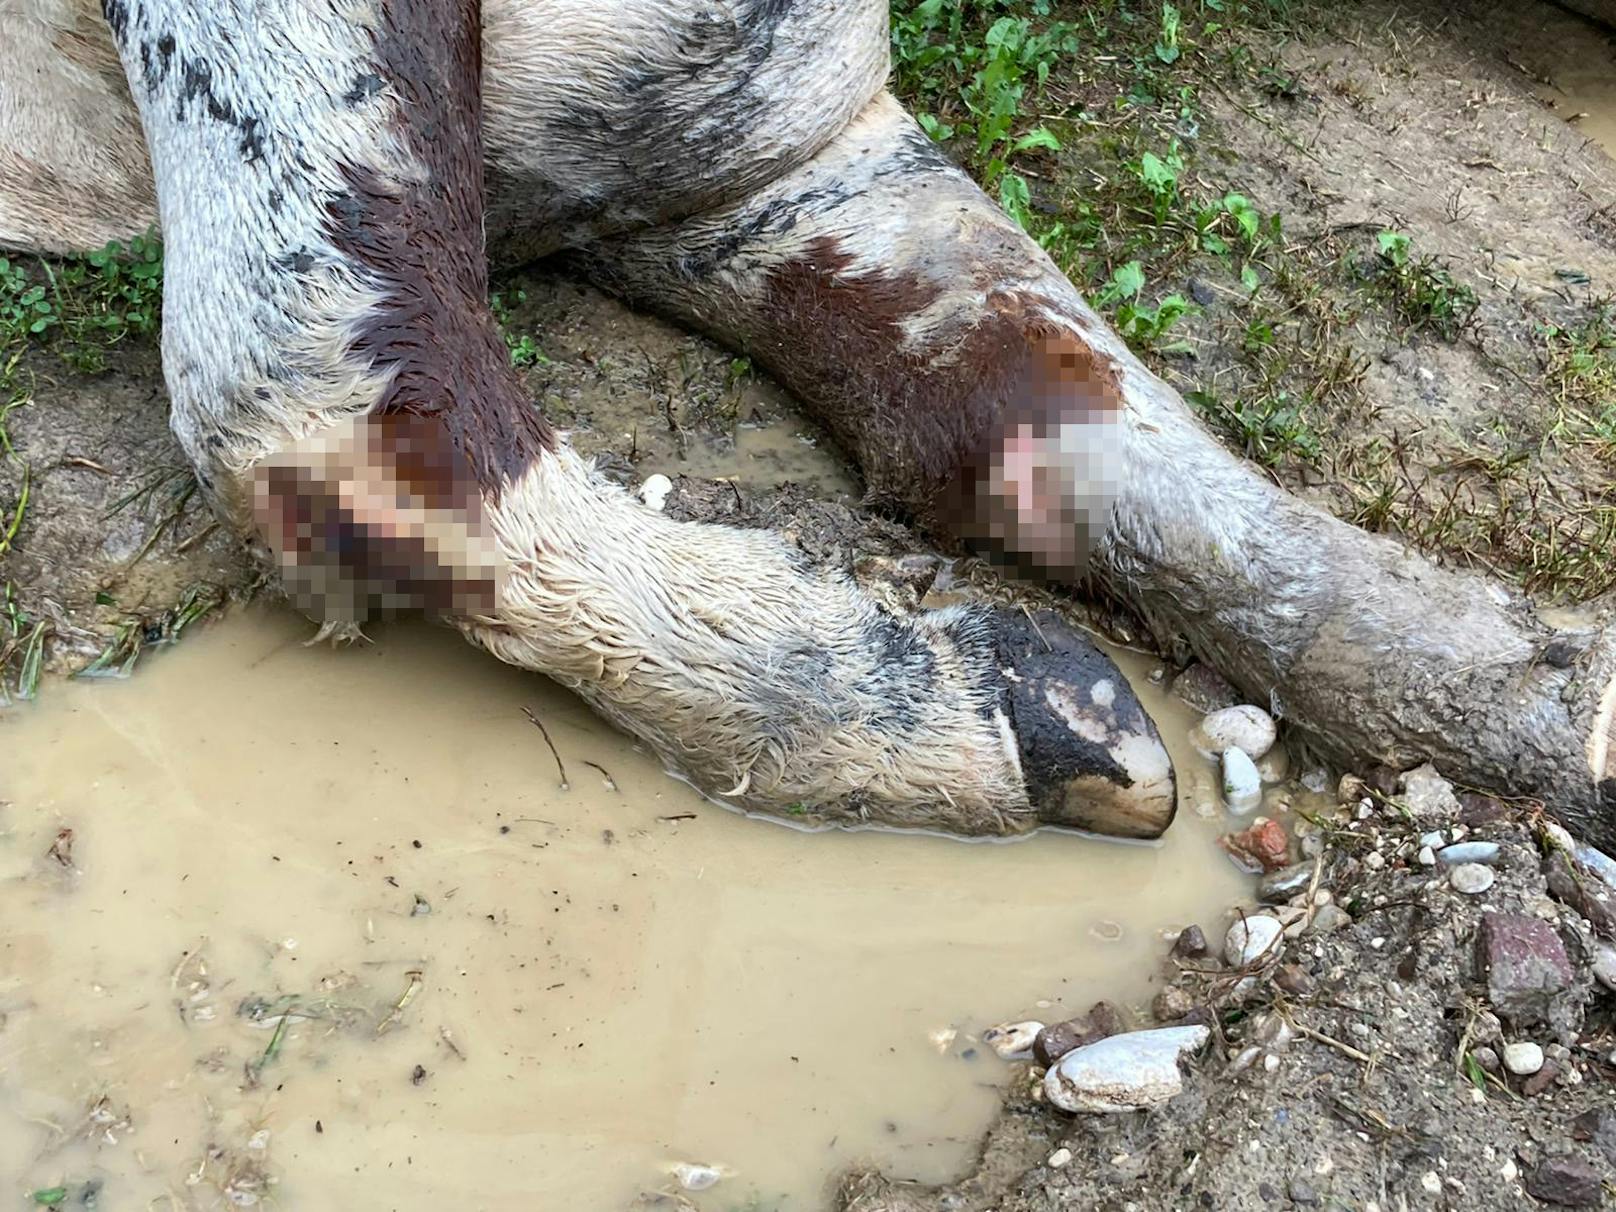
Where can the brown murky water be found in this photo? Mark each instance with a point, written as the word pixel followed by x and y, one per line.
pixel 329 934
pixel 1583 88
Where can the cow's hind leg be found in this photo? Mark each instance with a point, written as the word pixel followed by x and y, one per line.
pixel 342 391
pixel 931 334
pixel 919 324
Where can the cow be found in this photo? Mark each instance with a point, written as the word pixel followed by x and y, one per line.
pixel 738 166
pixel 330 179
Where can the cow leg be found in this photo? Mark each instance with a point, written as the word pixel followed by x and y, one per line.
pixel 342 391
pixel 973 385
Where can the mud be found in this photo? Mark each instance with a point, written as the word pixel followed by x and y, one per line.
pixel 330 932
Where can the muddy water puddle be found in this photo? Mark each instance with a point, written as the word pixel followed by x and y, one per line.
pixel 1582 86
pixel 327 933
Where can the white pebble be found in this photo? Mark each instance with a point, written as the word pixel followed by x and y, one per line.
pixel 1434 839
pixel 1251 938
pixel 1012 1041
pixel 1060 1157
pixel 1249 729
pixel 695 1177
pixel 654 491
pixel 1605 964
pixel 1427 857
pixel 1126 1072
pixel 1242 785
pixel 1472 879
pixel 1523 1058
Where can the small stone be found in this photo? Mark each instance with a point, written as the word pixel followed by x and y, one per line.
pixel 1279 886
pixel 1382 781
pixel 1486 1057
pixel 1242 786
pixel 1250 939
pixel 1190 944
pixel 1263 847
pixel 1472 879
pixel 1523 1058
pixel 1302 1192
pixel 1270 1063
pixel 1541 1080
pixel 1171 1004
pixel 1274 766
pixel 695 1177
pixel 1569 1182
pixel 1485 853
pixel 1430 1183
pixel 1599 1127
pixel 1374 860
pixel 1329 918
pixel 1060 1157
pixel 1205 689
pixel 1351 789
pixel 1525 963
pixel 1596 862
pixel 1435 839
pixel 1012 1041
pixel 1477 811
pixel 1057 1039
pixel 1427 795
pixel 1587 894
pixel 1427 857
pixel 1272 1031
pixel 1605 964
pixel 654 491
pixel 1293 979
pixel 1316 780
pixel 1105 1019
pixel 1127 1072
pixel 1249 729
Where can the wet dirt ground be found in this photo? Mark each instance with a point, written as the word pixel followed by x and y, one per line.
pixel 328 932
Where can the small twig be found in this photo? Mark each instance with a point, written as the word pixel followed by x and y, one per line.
pixel 611 783
pixel 449 1041
pixel 545 732
pixel 410 990
pixel 678 816
pixel 1320 1037
pixel 81 461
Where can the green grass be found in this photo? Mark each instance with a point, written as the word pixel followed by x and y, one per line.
pixel 523 346
pixel 81 306
pixel 1091 124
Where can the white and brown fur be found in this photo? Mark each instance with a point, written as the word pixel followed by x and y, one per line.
pixel 316 172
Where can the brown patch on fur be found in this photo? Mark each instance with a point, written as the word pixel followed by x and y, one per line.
pixel 425 243
pixel 922 431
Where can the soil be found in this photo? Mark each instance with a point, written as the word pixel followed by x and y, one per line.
pixel 1465 127
pixel 1430 120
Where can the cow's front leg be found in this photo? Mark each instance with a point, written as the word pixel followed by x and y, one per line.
pixel 343 393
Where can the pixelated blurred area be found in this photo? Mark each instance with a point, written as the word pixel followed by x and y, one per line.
pixel 1038 499
pixel 375 517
